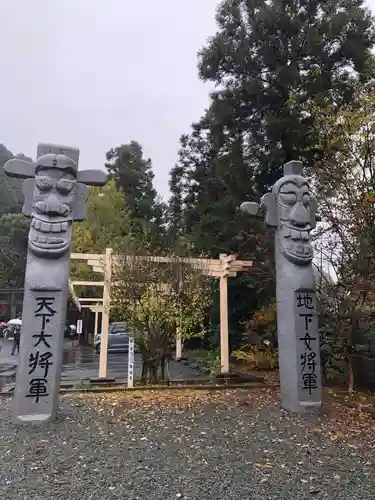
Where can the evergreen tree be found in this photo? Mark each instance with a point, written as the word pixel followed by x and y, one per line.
pixel 14 229
pixel 270 60
pixel 11 199
pixel 106 223
pixel 134 177
pixel 14 226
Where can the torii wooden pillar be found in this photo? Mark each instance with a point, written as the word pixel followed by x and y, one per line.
pixel 96 307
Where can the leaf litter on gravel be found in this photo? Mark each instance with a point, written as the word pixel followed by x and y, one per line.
pixel 139 438
pixel 335 422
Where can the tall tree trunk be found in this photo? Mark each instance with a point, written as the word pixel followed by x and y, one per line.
pixel 350 369
pixel 353 333
pixel 154 373
pixel 145 372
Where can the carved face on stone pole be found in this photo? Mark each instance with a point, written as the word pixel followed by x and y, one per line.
pixel 291 209
pixel 54 197
pixel 296 208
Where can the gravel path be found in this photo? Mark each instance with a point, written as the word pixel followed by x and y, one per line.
pixel 194 445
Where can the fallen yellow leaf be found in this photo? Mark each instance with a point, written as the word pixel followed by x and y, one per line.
pixel 339 434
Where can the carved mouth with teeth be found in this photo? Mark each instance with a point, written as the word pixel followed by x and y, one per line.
pixel 48 238
pixel 295 244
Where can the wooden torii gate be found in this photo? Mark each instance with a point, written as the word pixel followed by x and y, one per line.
pixel 223 268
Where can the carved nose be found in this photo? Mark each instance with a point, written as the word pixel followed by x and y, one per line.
pixel 52 208
pixel 57 209
pixel 299 215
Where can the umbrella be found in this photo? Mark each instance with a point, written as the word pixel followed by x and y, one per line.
pixel 15 321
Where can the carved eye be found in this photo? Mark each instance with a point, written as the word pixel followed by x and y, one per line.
pixel 64 186
pixel 306 199
pixel 288 198
pixel 43 183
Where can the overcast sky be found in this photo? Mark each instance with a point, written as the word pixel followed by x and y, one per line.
pixel 98 73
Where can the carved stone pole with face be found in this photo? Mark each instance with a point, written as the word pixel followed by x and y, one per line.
pixel 55 195
pixel 291 210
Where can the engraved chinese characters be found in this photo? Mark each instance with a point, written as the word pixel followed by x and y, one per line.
pixel 290 208
pixel 41 358
pixel 55 193
pixel 308 343
pixel 35 397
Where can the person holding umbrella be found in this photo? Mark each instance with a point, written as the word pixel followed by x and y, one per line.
pixel 16 327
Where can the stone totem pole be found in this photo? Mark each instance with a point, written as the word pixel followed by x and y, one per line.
pixel 55 194
pixel 291 209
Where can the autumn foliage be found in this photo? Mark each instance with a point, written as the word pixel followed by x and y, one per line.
pixel 344 180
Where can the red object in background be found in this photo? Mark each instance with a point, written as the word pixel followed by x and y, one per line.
pixel 1 308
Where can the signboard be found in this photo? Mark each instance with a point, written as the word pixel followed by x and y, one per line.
pixel 131 363
pixel 79 327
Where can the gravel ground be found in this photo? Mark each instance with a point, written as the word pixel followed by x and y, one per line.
pixel 194 445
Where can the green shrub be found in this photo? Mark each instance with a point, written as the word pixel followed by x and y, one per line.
pixel 256 357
